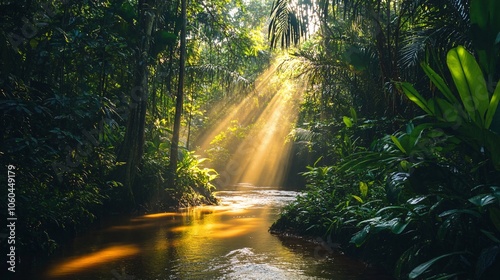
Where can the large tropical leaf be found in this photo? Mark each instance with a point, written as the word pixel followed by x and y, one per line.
pixel 470 83
pixel 449 111
pixel 492 107
pixel 419 270
pixel 439 83
pixel 414 96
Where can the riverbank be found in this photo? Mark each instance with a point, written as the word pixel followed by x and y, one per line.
pixel 226 241
pixel 30 258
pixel 328 244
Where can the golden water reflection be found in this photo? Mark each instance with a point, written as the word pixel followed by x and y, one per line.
pixel 229 241
pixel 79 263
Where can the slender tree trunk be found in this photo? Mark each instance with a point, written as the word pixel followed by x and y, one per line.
pixel 174 149
pixel 190 116
pixel 131 150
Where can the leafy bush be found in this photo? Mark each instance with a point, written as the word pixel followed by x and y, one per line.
pixel 62 150
pixel 332 200
pixel 193 181
pixel 194 185
pixel 432 209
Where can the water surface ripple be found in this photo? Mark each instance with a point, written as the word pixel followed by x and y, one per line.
pixel 228 241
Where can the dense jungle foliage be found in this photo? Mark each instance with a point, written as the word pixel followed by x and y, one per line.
pixel 90 92
pixel 103 101
pixel 402 117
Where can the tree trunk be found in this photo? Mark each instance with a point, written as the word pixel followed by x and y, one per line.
pixel 131 150
pixel 174 149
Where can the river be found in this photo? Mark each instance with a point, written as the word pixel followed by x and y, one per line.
pixel 228 241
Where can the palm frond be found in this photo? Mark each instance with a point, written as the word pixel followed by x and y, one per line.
pixel 287 25
pixel 439 25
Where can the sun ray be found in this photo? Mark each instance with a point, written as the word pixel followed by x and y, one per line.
pixel 261 157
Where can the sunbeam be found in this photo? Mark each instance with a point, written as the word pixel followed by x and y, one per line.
pixel 271 110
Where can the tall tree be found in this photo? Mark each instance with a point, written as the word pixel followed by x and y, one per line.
pixel 174 148
pixel 131 150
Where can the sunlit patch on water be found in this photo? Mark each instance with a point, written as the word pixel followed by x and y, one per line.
pixel 88 261
pixel 227 241
pixel 244 263
pixel 256 198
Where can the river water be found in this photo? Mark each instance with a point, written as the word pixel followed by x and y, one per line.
pixel 228 241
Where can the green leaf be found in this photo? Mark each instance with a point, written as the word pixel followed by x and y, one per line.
pixel 419 270
pixel 361 236
pixel 492 139
pixel 405 258
pixel 485 30
pixel 399 226
pixel 417 134
pixel 439 83
pixel 363 188
pixel 354 116
pixel 414 96
pixel 431 104
pixel 359 199
pixel 490 235
pixel 405 165
pixel 469 81
pixel 444 228
pixel 486 259
pixel 416 199
pixel 409 127
pixel 479 13
pixel 483 200
pixel 398 144
pixel 492 108
pixel 347 121
pixel 164 146
pixel 398 208
pixel 460 211
pixel 449 112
